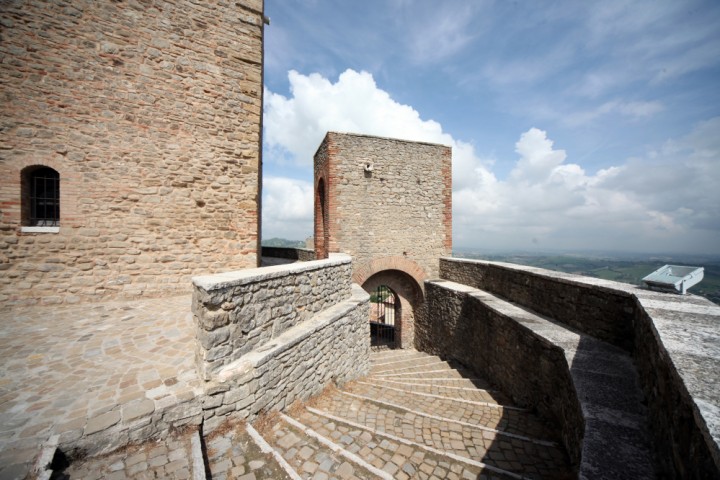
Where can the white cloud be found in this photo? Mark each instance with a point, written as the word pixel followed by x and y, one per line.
pixel 287 208
pixel 294 127
pixel 667 200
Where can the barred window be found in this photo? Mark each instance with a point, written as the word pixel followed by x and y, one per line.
pixel 42 205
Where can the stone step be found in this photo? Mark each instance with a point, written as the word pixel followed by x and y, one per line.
pixel 171 459
pixel 446 389
pixel 232 452
pixel 313 455
pixel 398 457
pixel 392 355
pixel 430 372
pixel 477 439
pixel 400 361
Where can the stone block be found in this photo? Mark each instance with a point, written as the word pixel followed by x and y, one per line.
pixel 102 422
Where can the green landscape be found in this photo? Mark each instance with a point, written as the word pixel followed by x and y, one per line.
pixel 627 268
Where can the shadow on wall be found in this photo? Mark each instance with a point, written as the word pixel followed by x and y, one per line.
pixel 525 443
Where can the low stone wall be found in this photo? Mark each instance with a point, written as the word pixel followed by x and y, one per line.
pixel 237 312
pixel 299 254
pixel 331 348
pixel 528 367
pixel 673 339
pixel 595 309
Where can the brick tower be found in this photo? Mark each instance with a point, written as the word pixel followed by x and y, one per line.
pixel 387 203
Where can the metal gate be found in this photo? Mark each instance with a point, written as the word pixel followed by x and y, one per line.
pixel 382 317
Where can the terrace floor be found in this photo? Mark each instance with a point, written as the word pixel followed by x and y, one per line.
pixel 66 370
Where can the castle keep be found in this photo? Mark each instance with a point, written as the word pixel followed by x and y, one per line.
pixel 131 138
pixel 138 340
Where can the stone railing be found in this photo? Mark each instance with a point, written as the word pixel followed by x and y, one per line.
pixel 299 254
pixel 597 308
pixel 673 340
pixel 333 347
pixel 238 312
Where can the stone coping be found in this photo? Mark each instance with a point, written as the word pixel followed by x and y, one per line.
pixel 687 329
pixel 243 277
pixel 292 337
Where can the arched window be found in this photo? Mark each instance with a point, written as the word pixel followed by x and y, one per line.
pixel 41 197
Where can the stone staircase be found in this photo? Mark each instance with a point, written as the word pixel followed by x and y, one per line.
pixel 414 416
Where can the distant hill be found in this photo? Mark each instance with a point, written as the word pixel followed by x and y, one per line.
pixel 282 242
pixel 620 270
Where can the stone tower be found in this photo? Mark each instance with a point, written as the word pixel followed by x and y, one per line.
pixel 131 143
pixel 387 203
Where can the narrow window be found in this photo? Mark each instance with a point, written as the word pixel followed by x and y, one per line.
pixel 42 206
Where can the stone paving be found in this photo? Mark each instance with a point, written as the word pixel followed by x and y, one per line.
pixel 69 370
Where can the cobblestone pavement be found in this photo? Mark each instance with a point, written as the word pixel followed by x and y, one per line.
pixel 63 366
pixel 416 417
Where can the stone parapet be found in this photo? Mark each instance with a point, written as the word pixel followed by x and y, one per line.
pixel 331 348
pixel 299 254
pixel 238 312
pixel 674 341
pixel 600 308
pixel 464 325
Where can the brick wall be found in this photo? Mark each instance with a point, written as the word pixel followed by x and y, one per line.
pixel 150 112
pixel 401 208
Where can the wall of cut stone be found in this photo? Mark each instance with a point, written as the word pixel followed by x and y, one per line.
pixel 238 312
pixel 151 114
pixel 385 198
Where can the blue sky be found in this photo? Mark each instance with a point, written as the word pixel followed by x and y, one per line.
pixel 574 125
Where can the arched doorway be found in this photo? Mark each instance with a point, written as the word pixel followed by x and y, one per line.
pixel 384 309
pixel 395 300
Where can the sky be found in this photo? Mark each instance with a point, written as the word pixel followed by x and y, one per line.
pixel 574 125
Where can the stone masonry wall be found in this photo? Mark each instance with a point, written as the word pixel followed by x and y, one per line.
pixel 238 312
pixel 603 313
pixel 401 208
pixel 151 113
pixel 673 340
pixel 331 348
pixel 299 254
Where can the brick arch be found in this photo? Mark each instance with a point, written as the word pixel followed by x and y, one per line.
pixel 376 265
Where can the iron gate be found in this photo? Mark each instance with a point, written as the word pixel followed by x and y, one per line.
pixel 382 317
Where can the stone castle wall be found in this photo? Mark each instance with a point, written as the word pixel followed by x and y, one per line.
pixel 384 198
pixel 151 115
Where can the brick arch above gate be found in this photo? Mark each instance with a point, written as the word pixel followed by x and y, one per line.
pixel 363 272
